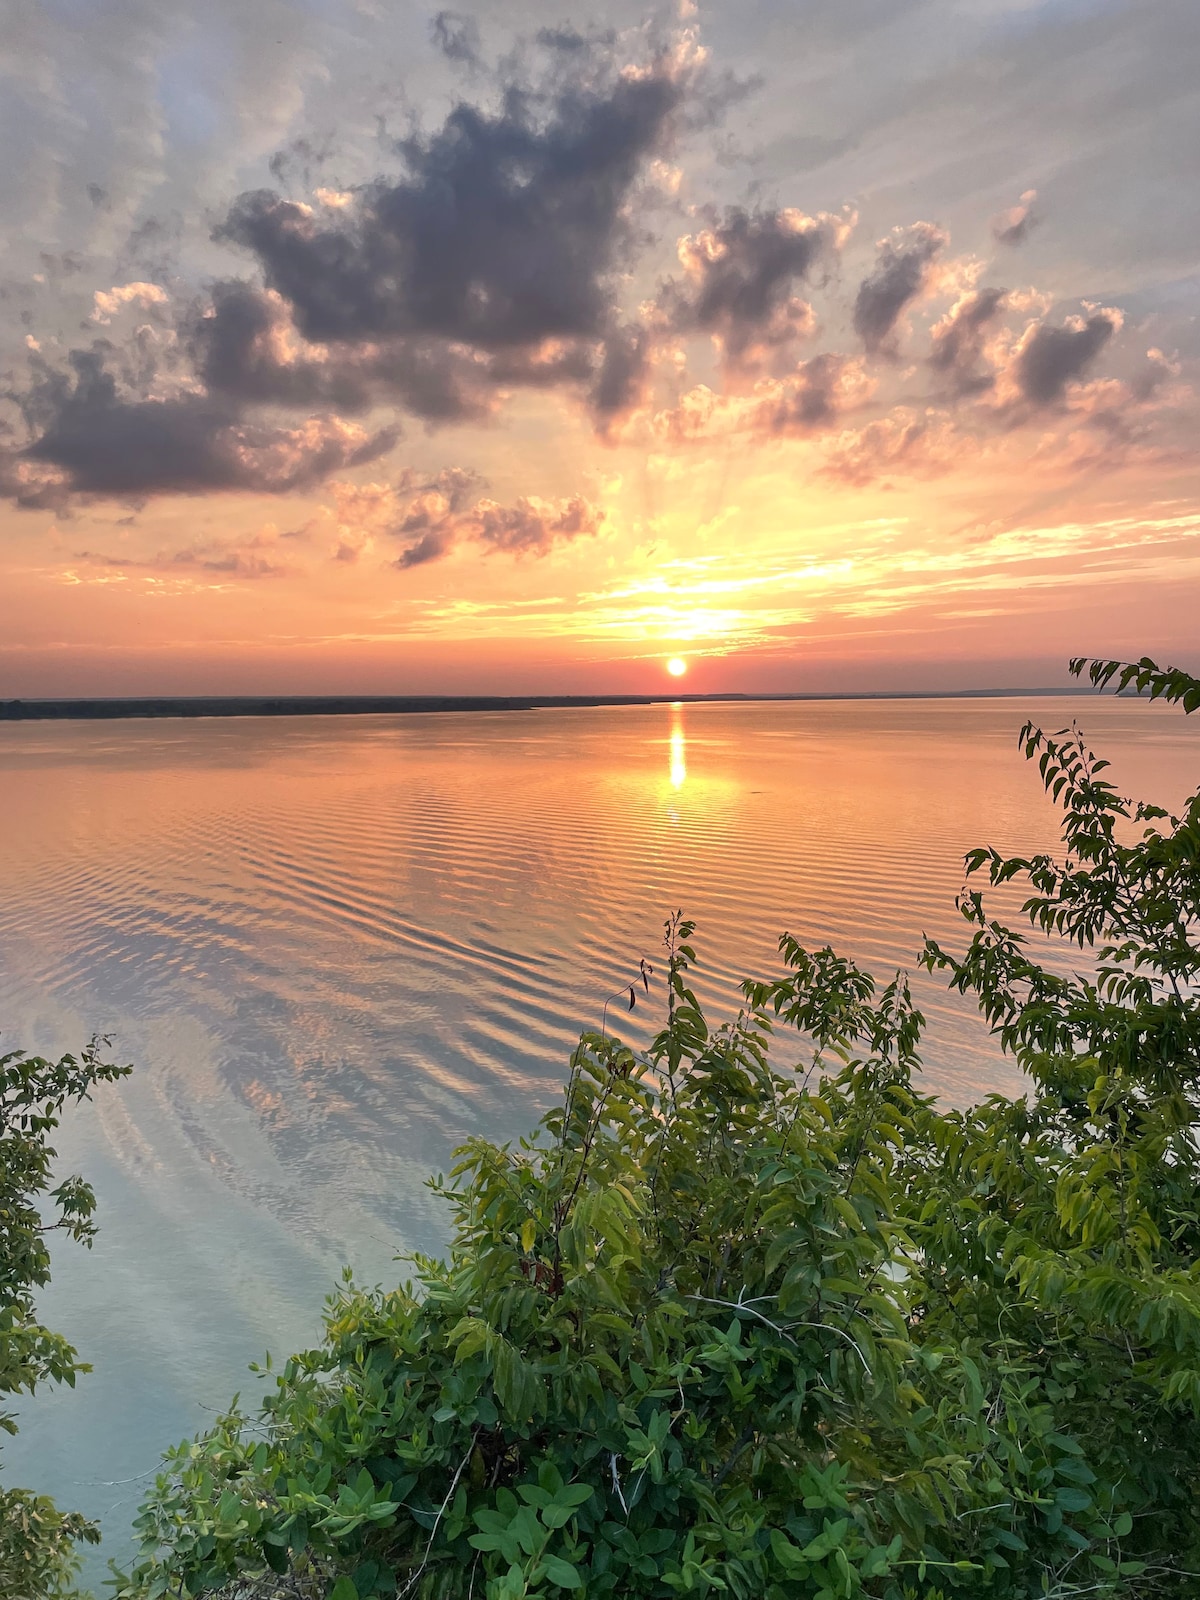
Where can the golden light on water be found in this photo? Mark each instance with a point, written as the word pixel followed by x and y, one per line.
pixel 677 666
pixel 678 759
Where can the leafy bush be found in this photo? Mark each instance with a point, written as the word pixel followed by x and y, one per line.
pixel 38 1543
pixel 720 1328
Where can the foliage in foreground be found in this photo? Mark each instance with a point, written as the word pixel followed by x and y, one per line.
pixel 721 1329
pixel 38 1543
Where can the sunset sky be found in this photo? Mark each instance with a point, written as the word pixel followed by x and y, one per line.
pixel 820 344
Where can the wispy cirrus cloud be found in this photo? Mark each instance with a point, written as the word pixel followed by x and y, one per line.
pixel 207 562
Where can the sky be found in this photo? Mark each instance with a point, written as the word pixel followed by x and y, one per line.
pixel 826 345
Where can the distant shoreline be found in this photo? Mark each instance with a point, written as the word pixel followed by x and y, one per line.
pixel 104 710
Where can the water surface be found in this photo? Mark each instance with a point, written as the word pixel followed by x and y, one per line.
pixel 333 948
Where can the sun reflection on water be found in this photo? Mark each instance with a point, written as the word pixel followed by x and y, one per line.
pixel 678 750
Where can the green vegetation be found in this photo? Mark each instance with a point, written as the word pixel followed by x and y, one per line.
pixel 718 1328
pixel 38 1543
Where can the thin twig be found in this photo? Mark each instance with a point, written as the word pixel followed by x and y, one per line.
pixel 616 1478
pixel 410 1585
pixel 747 1305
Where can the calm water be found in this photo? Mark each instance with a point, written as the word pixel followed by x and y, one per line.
pixel 334 947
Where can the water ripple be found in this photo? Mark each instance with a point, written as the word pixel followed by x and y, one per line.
pixel 335 948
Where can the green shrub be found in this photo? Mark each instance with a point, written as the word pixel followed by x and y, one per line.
pixel 721 1328
pixel 38 1543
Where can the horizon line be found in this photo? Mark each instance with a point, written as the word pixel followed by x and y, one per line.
pixel 127 707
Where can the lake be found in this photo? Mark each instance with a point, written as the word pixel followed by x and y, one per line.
pixel 334 947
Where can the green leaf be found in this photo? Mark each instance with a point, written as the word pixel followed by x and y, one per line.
pixel 575 1494
pixel 562 1573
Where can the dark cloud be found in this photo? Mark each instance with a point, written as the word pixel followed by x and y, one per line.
pixel 491 265
pixel 505 232
pixel 245 347
pixel 239 345
pixel 622 377
pixel 571 41
pixel 528 527
pixel 1048 358
pixel 957 340
pixel 545 366
pixel 152 249
pixel 89 440
pixel 99 196
pixel 740 273
pixel 1016 224
pixel 901 272
pixel 457 37
pixel 533 525
pixel 813 396
pixel 299 162
pixel 431 546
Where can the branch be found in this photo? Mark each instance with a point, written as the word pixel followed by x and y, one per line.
pixel 746 1305
pixel 411 1584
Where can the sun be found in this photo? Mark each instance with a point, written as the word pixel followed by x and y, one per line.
pixel 677 666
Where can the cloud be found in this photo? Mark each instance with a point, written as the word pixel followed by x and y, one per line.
pixel 807 400
pixel 297 164
pixel 530 526
pixel 1047 358
pixel 621 383
pixel 813 396
pixel 1016 224
pixel 957 340
pixel 152 248
pixel 738 279
pixel 571 41
pixel 246 346
pixel 506 230
pixel 1119 422
pixel 365 514
pixel 492 264
pixel 1158 372
pixel 457 37
pixel 923 444
pixel 500 250
pixel 106 304
pixel 431 546
pixel 256 557
pixel 89 440
pixel 902 270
